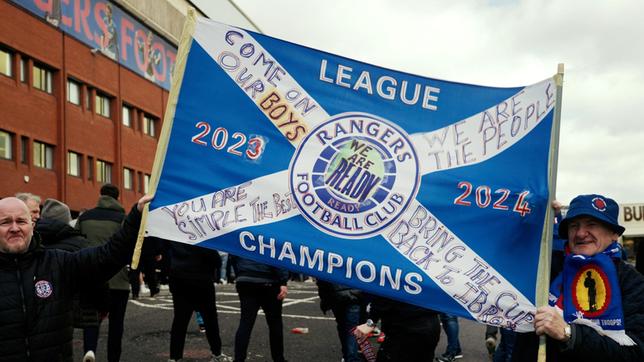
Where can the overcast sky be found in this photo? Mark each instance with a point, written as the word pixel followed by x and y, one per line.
pixel 498 43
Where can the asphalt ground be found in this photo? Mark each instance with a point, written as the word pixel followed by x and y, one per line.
pixel 148 321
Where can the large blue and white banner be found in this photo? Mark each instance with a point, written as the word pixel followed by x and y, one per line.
pixel 418 189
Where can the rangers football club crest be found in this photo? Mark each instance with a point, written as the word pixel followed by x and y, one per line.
pixel 599 204
pixel 591 291
pixel 354 175
pixel 44 289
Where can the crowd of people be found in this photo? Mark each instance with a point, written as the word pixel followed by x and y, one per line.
pixel 57 274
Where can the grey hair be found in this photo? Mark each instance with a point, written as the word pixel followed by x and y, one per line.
pixel 26 196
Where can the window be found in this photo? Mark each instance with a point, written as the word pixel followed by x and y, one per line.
pixel 24 149
pixel 90 168
pixel 23 70
pixel 148 125
pixel 6 140
pixel 5 63
pixel 103 172
pixel 140 181
pixel 127 178
pixel 73 92
pixel 127 112
pixel 42 79
pixel 146 183
pixel 73 164
pixel 43 155
pixel 102 105
pixel 88 102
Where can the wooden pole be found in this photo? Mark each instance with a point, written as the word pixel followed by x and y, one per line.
pixel 543 274
pixel 168 119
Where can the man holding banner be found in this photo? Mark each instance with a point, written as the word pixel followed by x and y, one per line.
pixel 597 305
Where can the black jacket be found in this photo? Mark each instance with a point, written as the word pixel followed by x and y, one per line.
pixel 250 271
pixel 37 288
pixel 337 295
pixel 98 224
pixel 55 234
pixel 192 262
pixel 401 316
pixel 586 344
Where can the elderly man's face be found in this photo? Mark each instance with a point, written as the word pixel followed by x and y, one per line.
pixel 588 236
pixel 34 209
pixel 16 227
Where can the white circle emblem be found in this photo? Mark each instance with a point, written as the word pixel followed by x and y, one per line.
pixel 354 175
pixel 43 289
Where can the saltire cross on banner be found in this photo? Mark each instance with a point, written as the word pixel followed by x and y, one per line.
pixel 418 189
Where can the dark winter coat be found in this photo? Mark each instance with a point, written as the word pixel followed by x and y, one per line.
pixel 337 295
pixel 91 298
pixel 37 288
pixel 250 271
pixel 98 224
pixel 56 234
pixel 192 262
pixel 401 316
pixel 586 345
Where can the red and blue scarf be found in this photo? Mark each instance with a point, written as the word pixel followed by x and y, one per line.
pixel 588 293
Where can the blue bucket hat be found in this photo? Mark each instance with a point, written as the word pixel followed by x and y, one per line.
pixel 599 207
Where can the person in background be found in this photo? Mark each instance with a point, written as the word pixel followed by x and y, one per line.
pixel 259 286
pixel 33 203
pixel 192 276
pixel 38 284
pixel 450 326
pixel 349 310
pixel 98 224
pixel 503 352
pixel 54 230
pixel 491 333
pixel 596 310
pixel 639 259
pixel 151 255
pixel 412 332
pixel 223 270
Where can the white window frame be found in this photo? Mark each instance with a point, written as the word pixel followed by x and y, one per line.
pixel 42 78
pixel 146 183
pixel 74 163
pixel 103 172
pixel 6 145
pixel 128 178
pixel 6 59
pixel 148 125
pixel 126 116
pixel 102 105
pixel 43 155
pixel 73 92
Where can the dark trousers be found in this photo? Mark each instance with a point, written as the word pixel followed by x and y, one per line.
pixel 189 296
pixel 116 313
pixel 405 344
pixel 253 296
pixel 348 317
pixel 118 305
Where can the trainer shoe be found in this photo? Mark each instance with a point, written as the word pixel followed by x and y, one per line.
pixel 490 344
pixel 449 357
pixel 89 357
pixel 221 358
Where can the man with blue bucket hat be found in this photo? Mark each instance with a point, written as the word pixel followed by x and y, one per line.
pixel 596 310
